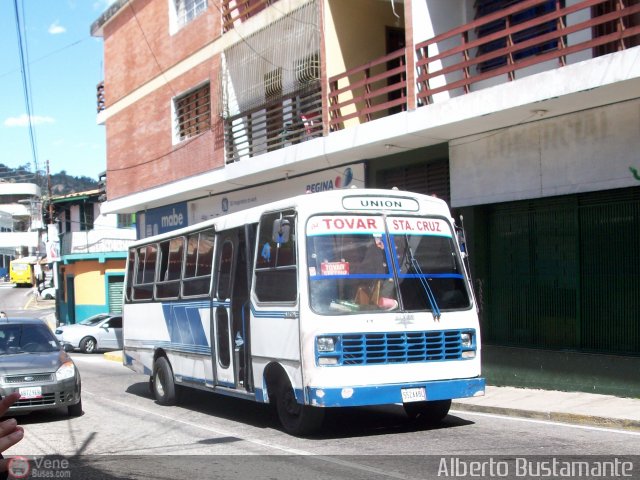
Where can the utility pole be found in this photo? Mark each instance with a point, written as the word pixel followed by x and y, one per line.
pixel 49 192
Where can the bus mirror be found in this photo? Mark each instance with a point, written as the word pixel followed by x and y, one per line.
pixel 281 230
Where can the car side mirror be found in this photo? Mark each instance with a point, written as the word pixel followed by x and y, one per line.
pixel 67 347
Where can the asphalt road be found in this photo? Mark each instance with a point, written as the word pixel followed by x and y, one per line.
pixel 13 300
pixel 125 434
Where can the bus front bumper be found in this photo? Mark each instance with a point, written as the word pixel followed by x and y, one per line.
pixel 358 396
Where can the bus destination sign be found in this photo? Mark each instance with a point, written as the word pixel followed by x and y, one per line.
pixel 365 202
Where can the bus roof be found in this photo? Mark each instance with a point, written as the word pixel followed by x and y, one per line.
pixel 313 203
pixel 31 259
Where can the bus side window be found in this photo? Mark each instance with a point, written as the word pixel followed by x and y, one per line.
pixel 198 263
pixel 276 273
pixel 145 272
pixel 131 263
pixel 168 283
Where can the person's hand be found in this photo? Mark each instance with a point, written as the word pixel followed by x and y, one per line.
pixel 10 432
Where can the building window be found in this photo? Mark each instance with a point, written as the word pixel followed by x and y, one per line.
pixel 126 220
pixel 486 7
pixel 192 112
pixel 308 69
pixel 67 219
pixel 182 12
pixel 86 217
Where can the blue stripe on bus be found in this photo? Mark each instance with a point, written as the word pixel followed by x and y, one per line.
pixel 268 314
pixel 358 396
pixel 184 348
pixel 184 324
pixel 431 275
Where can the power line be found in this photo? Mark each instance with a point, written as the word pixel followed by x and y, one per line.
pixel 47 55
pixel 29 87
pixel 25 84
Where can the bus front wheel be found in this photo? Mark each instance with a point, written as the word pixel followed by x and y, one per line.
pixel 164 388
pixel 428 412
pixel 296 419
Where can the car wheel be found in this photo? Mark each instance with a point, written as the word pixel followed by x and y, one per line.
pixel 164 388
pixel 297 419
pixel 431 413
pixel 75 410
pixel 88 345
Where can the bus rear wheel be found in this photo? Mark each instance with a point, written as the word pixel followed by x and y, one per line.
pixel 428 412
pixel 164 388
pixel 297 419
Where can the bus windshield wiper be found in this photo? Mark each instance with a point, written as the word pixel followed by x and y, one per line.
pixel 435 310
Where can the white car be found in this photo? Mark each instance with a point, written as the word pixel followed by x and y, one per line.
pixel 99 332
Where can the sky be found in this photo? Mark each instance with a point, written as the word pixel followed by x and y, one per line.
pixel 65 64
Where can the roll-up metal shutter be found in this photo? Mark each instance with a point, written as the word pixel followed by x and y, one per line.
pixel 430 179
pixel 116 287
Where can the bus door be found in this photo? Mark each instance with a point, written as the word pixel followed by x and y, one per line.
pixel 275 316
pixel 230 299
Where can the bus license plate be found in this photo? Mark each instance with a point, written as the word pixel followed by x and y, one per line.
pixel 31 392
pixel 414 394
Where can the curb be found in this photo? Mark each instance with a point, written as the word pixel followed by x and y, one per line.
pixel 560 417
pixel 114 356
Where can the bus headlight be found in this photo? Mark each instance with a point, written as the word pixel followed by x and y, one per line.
pixel 326 344
pixel 466 340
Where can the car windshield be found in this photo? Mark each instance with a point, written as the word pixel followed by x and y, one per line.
pixel 372 263
pixel 94 320
pixel 26 338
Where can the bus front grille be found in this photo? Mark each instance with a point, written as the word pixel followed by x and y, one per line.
pixel 399 347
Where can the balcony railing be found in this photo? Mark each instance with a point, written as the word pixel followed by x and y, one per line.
pixel 515 47
pixel 508 43
pixel 286 121
pixel 240 10
pixel 369 91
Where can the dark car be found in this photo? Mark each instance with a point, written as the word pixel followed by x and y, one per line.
pixel 33 363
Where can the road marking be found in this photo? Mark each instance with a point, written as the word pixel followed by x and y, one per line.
pixel 226 433
pixel 546 422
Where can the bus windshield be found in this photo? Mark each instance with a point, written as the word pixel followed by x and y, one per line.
pixel 369 263
pixel 429 270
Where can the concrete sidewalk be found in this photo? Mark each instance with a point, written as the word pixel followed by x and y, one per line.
pixel 565 407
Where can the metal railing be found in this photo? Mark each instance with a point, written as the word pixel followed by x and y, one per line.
pixel 240 10
pixel 517 46
pixel 370 91
pixel 291 119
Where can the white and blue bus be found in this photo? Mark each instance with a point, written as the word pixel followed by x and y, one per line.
pixel 334 299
